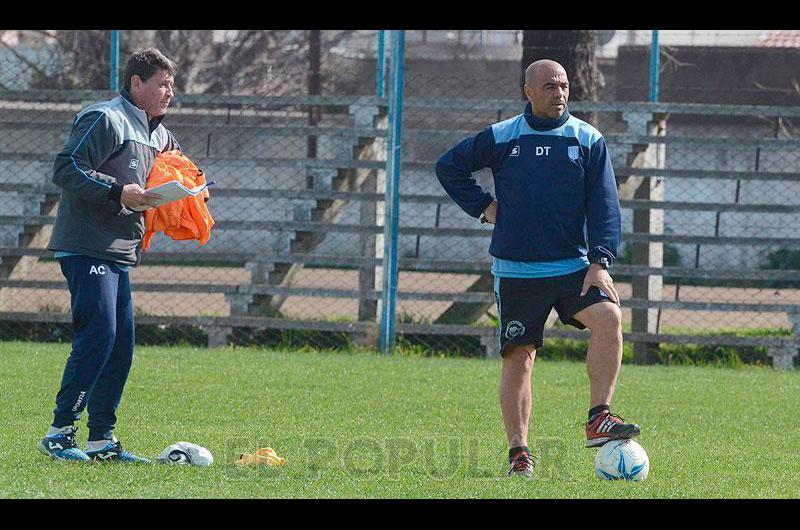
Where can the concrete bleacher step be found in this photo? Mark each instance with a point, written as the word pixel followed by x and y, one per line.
pixel 19 205
pixel 223 242
pixel 33 138
pixel 49 139
pixel 329 211
pixel 228 153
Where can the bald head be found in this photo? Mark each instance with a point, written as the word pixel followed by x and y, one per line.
pixel 543 68
pixel 547 88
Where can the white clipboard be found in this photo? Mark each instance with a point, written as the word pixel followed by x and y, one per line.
pixel 174 191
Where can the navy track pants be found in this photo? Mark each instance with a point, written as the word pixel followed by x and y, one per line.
pixel 102 348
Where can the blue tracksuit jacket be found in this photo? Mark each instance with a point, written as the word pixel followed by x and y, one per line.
pixel 554 183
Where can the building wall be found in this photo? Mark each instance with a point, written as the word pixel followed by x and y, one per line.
pixel 716 75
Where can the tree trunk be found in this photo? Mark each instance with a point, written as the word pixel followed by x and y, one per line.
pixel 575 51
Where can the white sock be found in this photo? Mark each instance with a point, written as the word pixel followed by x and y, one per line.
pixel 59 430
pixel 96 445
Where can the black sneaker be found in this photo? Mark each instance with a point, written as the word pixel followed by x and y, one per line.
pixel 62 447
pixel 521 464
pixel 113 451
pixel 607 426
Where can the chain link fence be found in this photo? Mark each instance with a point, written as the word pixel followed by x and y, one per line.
pixel 286 123
pixel 708 183
pixel 289 126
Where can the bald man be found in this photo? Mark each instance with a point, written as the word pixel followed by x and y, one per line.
pixel 556 231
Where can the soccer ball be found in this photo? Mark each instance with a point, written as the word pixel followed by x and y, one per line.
pixel 622 460
pixel 185 453
pixel 177 456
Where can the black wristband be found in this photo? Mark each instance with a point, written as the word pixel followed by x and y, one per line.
pixel 115 193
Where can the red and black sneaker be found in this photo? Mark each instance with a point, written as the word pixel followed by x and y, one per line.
pixel 607 426
pixel 521 465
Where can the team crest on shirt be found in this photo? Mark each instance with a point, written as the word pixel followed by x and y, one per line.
pixel 514 329
pixel 573 152
pixel 514 151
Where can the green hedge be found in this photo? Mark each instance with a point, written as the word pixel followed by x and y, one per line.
pixel 413 345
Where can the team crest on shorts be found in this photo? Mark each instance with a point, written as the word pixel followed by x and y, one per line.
pixel 514 329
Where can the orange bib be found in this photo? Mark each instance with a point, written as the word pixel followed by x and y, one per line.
pixel 187 218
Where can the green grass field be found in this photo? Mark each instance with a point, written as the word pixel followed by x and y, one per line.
pixel 361 425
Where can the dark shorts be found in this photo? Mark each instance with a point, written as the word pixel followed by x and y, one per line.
pixel 525 303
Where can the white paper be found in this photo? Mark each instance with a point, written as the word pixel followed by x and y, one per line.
pixel 172 191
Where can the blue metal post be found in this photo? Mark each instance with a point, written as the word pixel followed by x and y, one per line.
pixel 654 67
pixel 114 77
pixel 380 90
pixel 391 218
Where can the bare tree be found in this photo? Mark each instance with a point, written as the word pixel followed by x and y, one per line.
pixel 87 49
pixel 246 62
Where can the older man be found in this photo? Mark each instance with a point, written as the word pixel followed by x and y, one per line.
pixel 557 230
pixel 102 171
